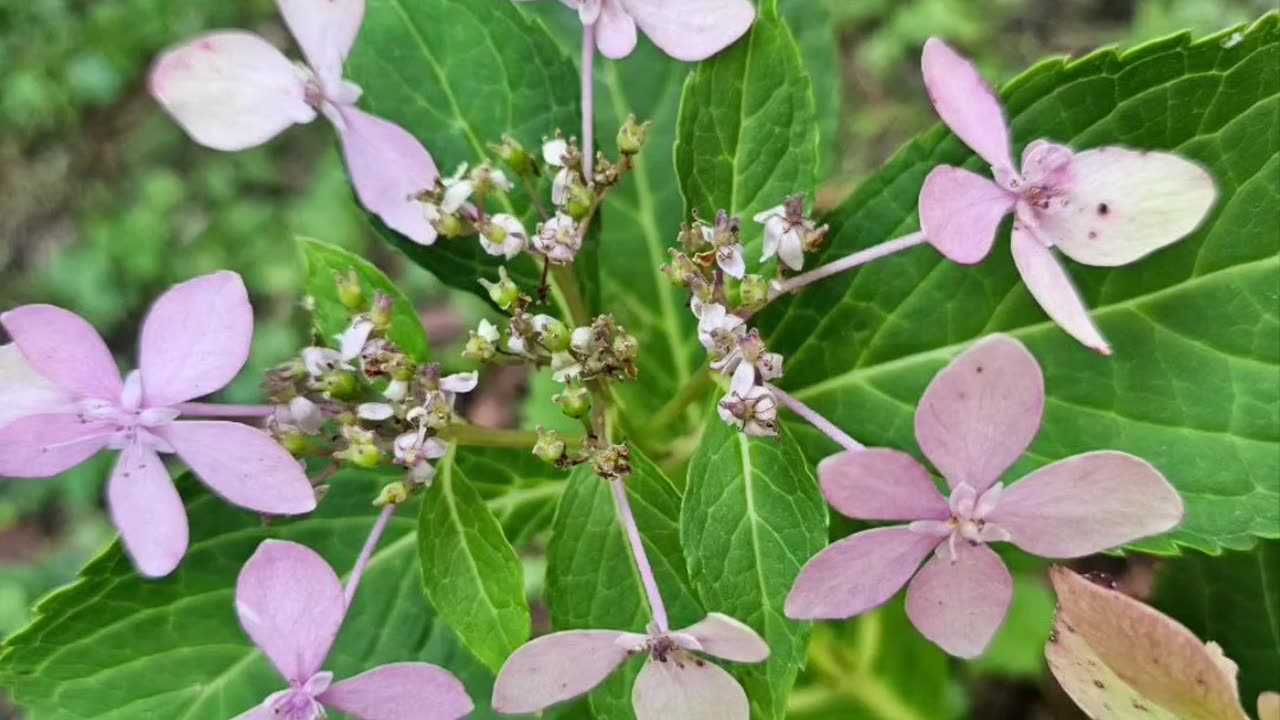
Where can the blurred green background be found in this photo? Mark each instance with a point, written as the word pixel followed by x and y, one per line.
pixel 104 202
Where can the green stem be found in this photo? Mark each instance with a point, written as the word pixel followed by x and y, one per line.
pixel 568 284
pixel 858 682
pixel 693 390
pixel 477 436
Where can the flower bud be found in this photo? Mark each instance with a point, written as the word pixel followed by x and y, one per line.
pixel 514 155
pixel 392 494
pixel 503 293
pixel 814 239
pixel 549 448
pixel 485 179
pixel 350 294
pixel 581 198
pixel 361 454
pixel 478 348
pixel 681 268
pixel 632 136
pixel 582 339
pixel 574 401
pixel 553 333
pixel 340 385
pixel 380 315
pixel 625 346
pixel 447 225
pixel 294 442
pixel 753 292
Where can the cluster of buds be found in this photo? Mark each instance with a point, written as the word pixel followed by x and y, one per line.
pixel 456 207
pixel 609 461
pixel 365 403
pixel 739 352
pixel 709 257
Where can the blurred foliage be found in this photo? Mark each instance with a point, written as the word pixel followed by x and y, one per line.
pixel 104 202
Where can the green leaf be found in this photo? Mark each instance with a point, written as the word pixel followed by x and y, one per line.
pixel 115 646
pixel 748 132
pixel 752 517
pixel 1191 386
pixel 458 75
pixel 331 317
pixel 812 27
pixel 521 490
pixel 1233 600
pixel 592 580
pixel 469 570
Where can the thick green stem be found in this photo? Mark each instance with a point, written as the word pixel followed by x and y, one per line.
pixel 567 281
pixel 477 436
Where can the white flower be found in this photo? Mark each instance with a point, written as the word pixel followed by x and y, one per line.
pixel 488 331
pixel 321 360
pixel 755 413
pixel 558 239
pixel 375 411
pixel 553 152
pixel 457 190
pixel 565 368
pixel 714 319
pixel 458 383
pixel 729 258
pixel 396 390
pixel 505 235
pixel 352 340
pixel 783 236
pixel 299 415
pixel 747 362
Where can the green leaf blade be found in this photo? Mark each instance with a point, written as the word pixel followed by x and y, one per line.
pixel 331 317
pixel 752 517
pixel 1191 386
pixel 469 571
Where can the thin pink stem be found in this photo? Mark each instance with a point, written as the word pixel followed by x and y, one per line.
pixel 232 411
pixel 826 426
pixel 849 262
pixel 366 552
pixel 588 98
pixel 642 560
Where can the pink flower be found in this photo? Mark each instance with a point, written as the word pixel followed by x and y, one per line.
pixel 291 604
pixel 975 420
pixel 673 684
pixel 687 30
pixel 1104 207
pixel 232 90
pixel 72 403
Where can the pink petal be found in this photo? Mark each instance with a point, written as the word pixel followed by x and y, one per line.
pixel 981 412
pixel 728 638
pixel 147 510
pixel 960 603
pixel 261 712
pixel 881 484
pixel 389 168
pixel 195 339
pixel 400 691
pixel 1086 504
pixel 966 103
pixel 243 465
pixel 325 30
pixel 555 668
pixel 230 90
pixel 1050 285
pixel 290 603
pixel 692 29
pixel 25 392
pixel 615 30
pixel 1122 205
pixel 690 690
pixel 858 573
pixel 960 212
pixel 39 446
pixel 62 347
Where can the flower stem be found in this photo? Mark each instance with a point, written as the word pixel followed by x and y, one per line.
pixel 232 411
pixel 366 552
pixel 642 560
pixel 826 426
pixel 849 262
pixel 479 436
pixel 588 98
pixel 568 284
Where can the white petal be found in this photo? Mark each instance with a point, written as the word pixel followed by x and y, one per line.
pixel 375 411
pixel 790 250
pixel 25 392
pixel 463 382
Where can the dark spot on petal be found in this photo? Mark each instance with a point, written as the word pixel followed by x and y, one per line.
pixel 700 662
pixel 1103 209
pixel 1098 684
pixel 1093 235
pixel 979 369
pixel 1139 706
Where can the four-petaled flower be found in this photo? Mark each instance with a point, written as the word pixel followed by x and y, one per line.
pixel 71 402
pixel 291 604
pixel 687 30
pixel 1105 207
pixel 232 90
pixel 674 682
pixel 975 420
pixel 787 231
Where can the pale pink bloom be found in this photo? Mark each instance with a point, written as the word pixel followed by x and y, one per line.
pixel 785 228
pixel 674 682
pixel 232 90
pixel 754 412
pixel 291 604
pixel 714 319
pixel 514 239
pixel 975 420
pixel 1105 207
pixel 194 340
pixel 687 30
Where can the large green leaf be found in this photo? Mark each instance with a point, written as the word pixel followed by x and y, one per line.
pixel 1233 600
pixel 752 517
pixel 592 581
pixel 331 317
pixel 114 646
pixel 458 75
pixel 469 570
pixel 521 490
pixel 1192 386
pixel 748 132
pixel 812 27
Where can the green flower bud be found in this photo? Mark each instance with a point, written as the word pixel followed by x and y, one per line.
pixel 393 494
pixel 295 443
pixel 380 315
pixel 580 201
pixel 549 448
pixel 754 291
pixel 514 155
pixel 340 385
pixel 350 294
pixel 449 226
pixel 555 336
pixel 504 293
pixel 632 136
pixel 479 348
pixel 574 401
pixel 361 454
